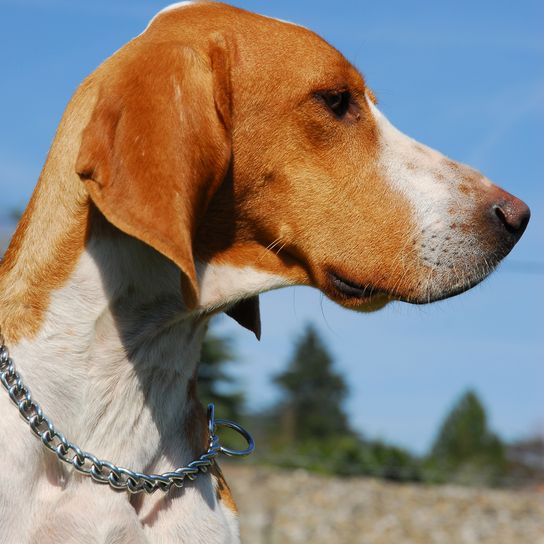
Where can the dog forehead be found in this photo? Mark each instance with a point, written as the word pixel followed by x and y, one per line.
pixel 257 37
pixel 193 3
pixel 211 12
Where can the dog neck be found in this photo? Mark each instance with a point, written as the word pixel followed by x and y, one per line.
pixel 99 331
pixel 113 364
pixel 123 350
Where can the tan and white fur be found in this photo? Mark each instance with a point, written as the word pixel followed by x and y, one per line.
pixel 218 155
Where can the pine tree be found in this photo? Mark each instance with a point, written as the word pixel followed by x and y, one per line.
pixel 313 392
pixel 215 384
pixel 309 427
pixel 465 449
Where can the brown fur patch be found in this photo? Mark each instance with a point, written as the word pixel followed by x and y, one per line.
pixel 196 423
pixel 51 234
pixel 466 189
pixel 223 492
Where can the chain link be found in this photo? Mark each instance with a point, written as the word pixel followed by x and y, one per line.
pixel 104 472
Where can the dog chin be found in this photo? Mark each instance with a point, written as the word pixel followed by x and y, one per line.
pixel 373 305
pixel 368 298
pixel 363 305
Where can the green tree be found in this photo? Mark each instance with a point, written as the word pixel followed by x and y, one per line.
pixel 215 384
pixel 465 450
pixel 309 428
pixel 313 393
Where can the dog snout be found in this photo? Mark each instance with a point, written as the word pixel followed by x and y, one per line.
pixel 511 213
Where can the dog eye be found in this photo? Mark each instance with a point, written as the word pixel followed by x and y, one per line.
pixel 338 102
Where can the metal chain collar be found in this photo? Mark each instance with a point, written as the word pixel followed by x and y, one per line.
pixel 101 471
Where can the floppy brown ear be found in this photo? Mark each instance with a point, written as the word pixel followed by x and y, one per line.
pixel 157 145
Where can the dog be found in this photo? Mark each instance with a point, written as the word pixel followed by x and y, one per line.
pixel 217 155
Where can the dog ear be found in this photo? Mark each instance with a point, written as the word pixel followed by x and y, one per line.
pixel 158 145
pixel 246 312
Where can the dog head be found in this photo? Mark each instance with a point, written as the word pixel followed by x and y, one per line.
pixel 252 153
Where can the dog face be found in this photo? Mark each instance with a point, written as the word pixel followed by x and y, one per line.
pixel 347 202
pixel 289 172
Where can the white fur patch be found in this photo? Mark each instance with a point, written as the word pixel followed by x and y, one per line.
pixel 413 169
pixel 442 195
pixel 430 182
pixel 171 7
pixel 286 22
pixel 110 366
pixel 222 284
pixel 175 5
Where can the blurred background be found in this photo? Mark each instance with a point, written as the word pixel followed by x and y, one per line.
pixel 413 424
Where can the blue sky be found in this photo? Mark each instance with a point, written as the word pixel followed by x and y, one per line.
pixel 464 77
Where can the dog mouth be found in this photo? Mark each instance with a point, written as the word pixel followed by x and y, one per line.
pixel 355 295
pixel 350 289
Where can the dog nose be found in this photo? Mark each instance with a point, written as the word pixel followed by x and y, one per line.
pixel 511 213
pixel 514 216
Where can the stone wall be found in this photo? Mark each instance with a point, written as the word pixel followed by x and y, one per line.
pixel 282 507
